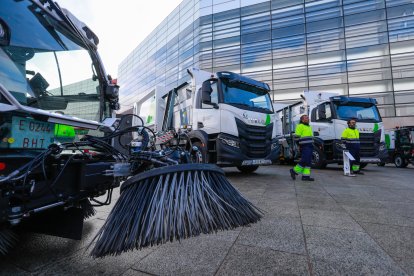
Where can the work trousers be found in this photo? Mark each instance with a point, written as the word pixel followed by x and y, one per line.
pixel 304 166
pixel 354 149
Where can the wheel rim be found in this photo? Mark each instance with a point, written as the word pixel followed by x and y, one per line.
pixel 315 159
pixel 398 161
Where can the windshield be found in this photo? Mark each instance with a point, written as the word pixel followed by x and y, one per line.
pixel 361 111
pixel 44 66
pixel 245 96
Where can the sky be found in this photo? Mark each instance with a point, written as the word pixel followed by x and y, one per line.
pixel 120 25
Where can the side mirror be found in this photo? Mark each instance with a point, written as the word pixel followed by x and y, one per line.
pixel 322 112
pixel 206 92
pixel 112 91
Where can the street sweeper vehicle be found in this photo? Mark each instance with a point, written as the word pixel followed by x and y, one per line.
pixel 227 117
pixel 328 116
pixel 61 147
pixel 400 146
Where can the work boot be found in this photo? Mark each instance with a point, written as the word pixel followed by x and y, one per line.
pixel 307 178
pixel 293 174
pixel 359 172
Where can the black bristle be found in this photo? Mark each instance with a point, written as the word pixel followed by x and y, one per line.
pixel 172 203
pixel 88 209
pixel 7 240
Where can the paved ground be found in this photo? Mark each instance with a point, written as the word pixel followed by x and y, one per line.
pixel 336 225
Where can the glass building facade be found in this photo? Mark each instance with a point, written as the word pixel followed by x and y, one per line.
pixel 352 47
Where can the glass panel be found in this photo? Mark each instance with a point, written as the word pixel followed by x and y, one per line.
pixel 224 52
pixel 370 75
pixel 365 17
pixel 403 72
pixel 248 8
pixel 382 98
pixel 321 5
pixel 288 94
pixel 256 47
pixel 321 69
pixel 255 18
pixel 257 56
pixel 386 110
pixel 368 63
pixel 402 47
pixel 256 66
pixel 292 41
pixel 370 87
pixel 290 83
pixel 325 35
pixel 288 31
pixel 326 46
pixel 402 59
pixel 289 51
pixel 369 51
pixel 405 110
pixel 400 11
pixel 277 4
pixel 327 79
pixel 404 97
pixel 288 11
pixel 227 42
pixel 367 28
pixel 218 62
pixel 288 21
pixel 289 62
pixel 260 26
pixel 401 35
pixel 391 3
pixel 341 89
pixel 317 26
pixel 254 37
pixel 403 84
pixel 363 6
pixel 326 57
pixel 287 73
pixel 366 40
pixel 260 76
pixel 324 14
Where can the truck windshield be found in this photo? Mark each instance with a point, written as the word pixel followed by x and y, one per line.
pixel 246 96
pixel 44 65
pixel 361 111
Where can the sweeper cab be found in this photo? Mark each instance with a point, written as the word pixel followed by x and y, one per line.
pixel 63 152
pixel 400 146
pixel 229 118
pixel 328 116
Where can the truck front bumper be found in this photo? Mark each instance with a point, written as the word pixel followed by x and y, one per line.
pixel 229 153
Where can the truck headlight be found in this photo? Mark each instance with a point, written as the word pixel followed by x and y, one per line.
pixel 230 142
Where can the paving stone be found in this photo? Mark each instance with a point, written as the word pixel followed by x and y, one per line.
pixel 250 260
pixel 378 215
pixel 322 218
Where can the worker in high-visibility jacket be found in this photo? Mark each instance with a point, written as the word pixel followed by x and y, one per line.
pixel 350 136
pixel 305 134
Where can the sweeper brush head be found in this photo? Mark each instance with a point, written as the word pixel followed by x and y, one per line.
pixel 7 240
pixel 172 203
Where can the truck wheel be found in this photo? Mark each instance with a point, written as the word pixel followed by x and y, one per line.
pixel 318 159
pixel 199 156
pixel 247 169
pixel 399 161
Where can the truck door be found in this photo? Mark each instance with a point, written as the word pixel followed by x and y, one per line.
pixel 322 124
pixel 208 114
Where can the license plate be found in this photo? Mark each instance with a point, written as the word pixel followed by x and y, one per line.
pixel 31 134
pixel 256 162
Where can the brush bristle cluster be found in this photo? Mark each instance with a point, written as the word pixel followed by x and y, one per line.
pixel 7 240
pixel 172 203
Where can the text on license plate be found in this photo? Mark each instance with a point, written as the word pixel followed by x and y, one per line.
pixel 256 162
pixel 31 134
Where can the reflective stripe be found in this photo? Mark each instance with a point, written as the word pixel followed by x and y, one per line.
pixel 306 171
pixel 298 169
pixel 306 140
pixel 351 141
pixel 355 168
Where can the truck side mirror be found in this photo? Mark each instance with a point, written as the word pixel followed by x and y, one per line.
pixel 322 112
pixel 206 92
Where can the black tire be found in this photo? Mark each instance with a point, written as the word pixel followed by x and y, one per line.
pixel 247 169
pixel 381 164
pixel 318 159
pixel 363 165
pixel 400 162
pixel 199 156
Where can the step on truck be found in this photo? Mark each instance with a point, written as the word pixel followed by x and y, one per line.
pixel 328 115
pixel 228 118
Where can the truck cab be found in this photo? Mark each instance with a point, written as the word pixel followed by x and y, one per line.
pixel 328 115
pixel 229 118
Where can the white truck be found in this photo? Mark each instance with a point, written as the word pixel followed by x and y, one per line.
pixel 328 114
pixel 228 117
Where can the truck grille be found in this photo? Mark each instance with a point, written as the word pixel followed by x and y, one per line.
pixel 255 141
pixel 369 144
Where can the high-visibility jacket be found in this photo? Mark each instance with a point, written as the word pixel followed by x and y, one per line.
pixel 305 134
pixel 350 136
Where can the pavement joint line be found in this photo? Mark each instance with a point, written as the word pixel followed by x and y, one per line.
pixel 148 273
pixel 386 224
pixel 271 249
pixel 310 267
pixel 375 241
pixel 336 228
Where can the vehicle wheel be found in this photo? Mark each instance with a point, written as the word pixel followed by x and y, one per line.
pixel 399 162
pixel 247 169
pixel 363 165
pixel 200 155
pixel 318 159
pixel 381 164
